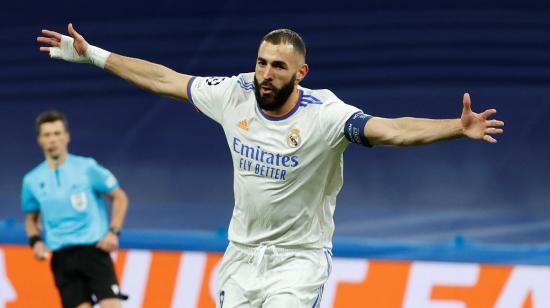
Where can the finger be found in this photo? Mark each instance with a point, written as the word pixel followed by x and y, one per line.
pixel 47 40
pixel 105 245
pixel 53 34
pixel 41 255
pixel 43 39
pixel 45 49
pixel 112 245
pixel 492 130
pixel 489 139
pixel 494 123
pixel 487 113
pixel 467 103
pixel 72 31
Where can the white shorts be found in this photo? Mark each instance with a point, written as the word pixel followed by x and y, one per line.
pixel 268 276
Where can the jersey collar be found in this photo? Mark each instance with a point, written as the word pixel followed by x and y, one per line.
pixel 286 115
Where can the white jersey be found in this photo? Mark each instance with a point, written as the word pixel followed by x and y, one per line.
pixel 288 169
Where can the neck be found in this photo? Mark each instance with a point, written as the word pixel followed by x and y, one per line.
pixel 287 106
pixel 55 162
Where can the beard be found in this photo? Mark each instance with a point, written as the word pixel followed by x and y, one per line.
pixel 277 98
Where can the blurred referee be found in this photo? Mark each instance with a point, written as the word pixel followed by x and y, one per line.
pixel 62 196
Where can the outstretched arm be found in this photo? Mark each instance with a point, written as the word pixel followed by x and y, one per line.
pixel 417 131
pixel 146 75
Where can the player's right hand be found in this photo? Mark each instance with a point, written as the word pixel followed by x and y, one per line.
pixel 69 48
pixel 40 251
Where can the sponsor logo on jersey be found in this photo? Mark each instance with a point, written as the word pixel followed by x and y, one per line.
pixel 243 124
pixel 263 163
pixel 260 155
pixel 293 139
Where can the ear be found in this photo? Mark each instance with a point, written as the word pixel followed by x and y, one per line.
pixel 302 72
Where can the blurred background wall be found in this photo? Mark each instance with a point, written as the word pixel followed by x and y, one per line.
pixel 390 58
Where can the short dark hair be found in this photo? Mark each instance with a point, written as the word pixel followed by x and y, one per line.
pixel 51 116
pixel 286 36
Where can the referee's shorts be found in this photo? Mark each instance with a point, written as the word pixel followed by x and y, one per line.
pixel 84 274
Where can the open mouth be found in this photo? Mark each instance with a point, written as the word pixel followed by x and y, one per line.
pixel 267 89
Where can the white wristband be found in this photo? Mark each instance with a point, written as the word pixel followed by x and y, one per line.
pixel 97 56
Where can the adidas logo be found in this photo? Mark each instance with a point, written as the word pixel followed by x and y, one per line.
pixel 243 124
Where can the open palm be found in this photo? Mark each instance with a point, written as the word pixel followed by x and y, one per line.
pixel 61 46
pixel 478 125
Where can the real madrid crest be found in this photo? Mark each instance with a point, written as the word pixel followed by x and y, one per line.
pixel 293 139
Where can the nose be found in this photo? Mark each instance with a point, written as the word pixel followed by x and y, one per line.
pixel 268 73
pixel 51 139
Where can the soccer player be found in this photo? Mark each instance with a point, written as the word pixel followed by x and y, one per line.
pixel 286 142
pixel 62 196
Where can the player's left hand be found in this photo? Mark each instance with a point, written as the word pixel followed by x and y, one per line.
pixel 478 126
pixel 109 243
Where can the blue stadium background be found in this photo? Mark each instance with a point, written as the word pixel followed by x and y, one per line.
pixel 390 58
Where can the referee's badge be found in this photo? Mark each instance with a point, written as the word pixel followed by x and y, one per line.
pixel 79 201
pixel 293 139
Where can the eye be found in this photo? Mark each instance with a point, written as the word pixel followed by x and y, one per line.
pixel 279 66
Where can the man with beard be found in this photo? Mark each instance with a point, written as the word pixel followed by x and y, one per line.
pixel 62 197
pixel 286 142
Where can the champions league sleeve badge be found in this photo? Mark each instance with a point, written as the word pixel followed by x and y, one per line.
pixel 293 139
pixel 213 81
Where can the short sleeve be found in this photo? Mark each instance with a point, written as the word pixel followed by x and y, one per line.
pixel 210 94
pixel 101 178
pixel 333 117
pixel 28 200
